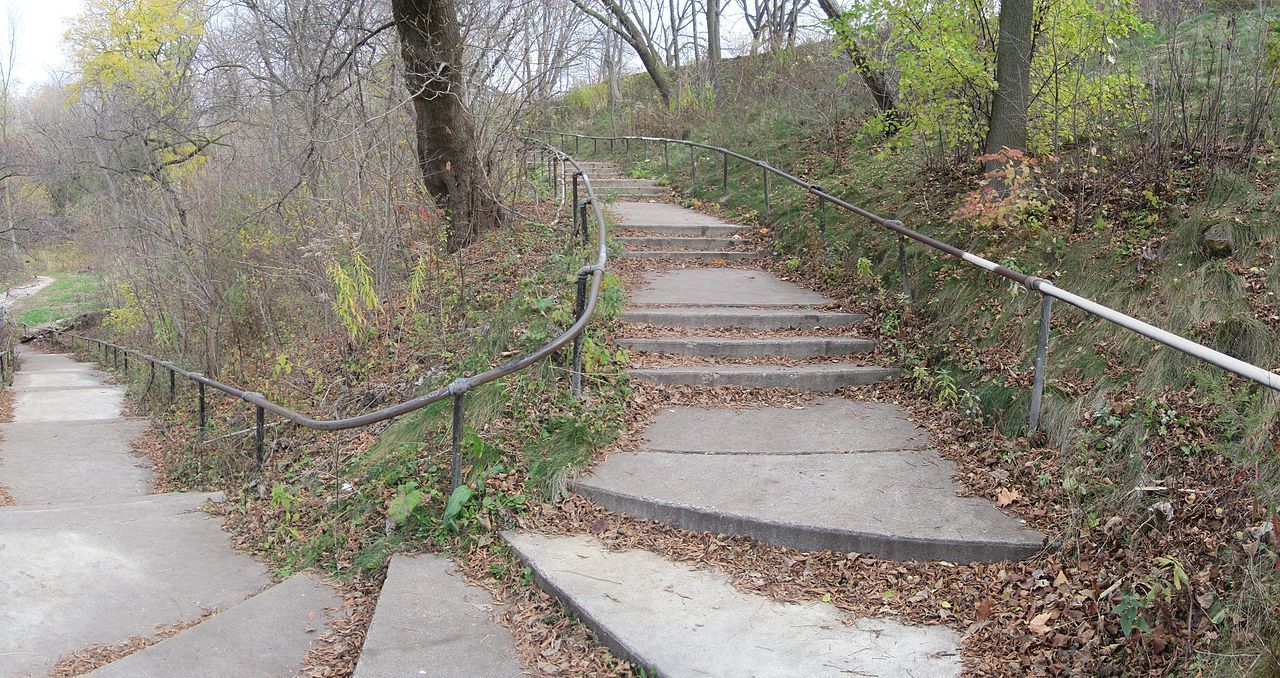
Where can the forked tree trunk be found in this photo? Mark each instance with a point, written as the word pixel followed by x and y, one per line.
pixel 1013 80
pixel 713 45
pixel 447 146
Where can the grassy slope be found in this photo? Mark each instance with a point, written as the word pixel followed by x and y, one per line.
pixel 1121 412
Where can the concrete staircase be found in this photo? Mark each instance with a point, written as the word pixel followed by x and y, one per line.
pixel 838 473
pixel 89 557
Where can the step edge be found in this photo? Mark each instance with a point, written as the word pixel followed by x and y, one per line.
pixel 808 538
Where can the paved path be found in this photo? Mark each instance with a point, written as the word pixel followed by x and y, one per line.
pixel 837 474
pixel 89 557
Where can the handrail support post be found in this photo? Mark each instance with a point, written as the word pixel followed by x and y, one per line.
pixel 724 177
pixel 1042 351
pixel 902 268
pixel 455 472
pixel 579 307
pixel 259 437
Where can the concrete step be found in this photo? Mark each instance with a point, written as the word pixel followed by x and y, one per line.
pixel 822 377
pixel 636 243
pixel 824 426
pixel 693 317
pixel 780 347
pixel 429 622
pixel 637 213
pixel 692 255
pixel 96 575
pixel 629 191
pixel 895 504
pixel 722 287
pixel 688 230
pixel 267 635
pixel 56 462
pixel 623 182
pixel 67 404
pixel 674 620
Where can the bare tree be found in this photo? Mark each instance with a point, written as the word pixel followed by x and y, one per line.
pixel 617 18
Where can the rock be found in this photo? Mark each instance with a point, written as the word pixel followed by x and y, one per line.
pixel 1219 240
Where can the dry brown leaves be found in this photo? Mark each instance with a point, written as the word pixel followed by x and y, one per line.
pixel 97 656
pixel 335 653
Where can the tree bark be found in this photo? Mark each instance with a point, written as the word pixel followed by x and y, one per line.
pixel 447 145
pixel 713 45
pixel 1013 80
pixel 872 79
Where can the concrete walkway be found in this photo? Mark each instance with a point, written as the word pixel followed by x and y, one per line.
pixel 89 557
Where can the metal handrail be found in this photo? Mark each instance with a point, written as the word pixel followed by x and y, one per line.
pixel 1048 291
pixel 585 306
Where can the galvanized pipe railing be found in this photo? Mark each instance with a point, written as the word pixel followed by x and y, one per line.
pixel 1047 290
pixel 589 281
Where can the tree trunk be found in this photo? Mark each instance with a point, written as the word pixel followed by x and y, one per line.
pixel 872 79
pixel 626 28
pixel 447 146
pixel 1013 80
pixel 713 45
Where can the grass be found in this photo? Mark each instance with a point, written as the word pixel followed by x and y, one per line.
pixel 70 295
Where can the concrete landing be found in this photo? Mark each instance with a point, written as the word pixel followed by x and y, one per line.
pixel 693 317
pixel 268 635
pixel 90 575
pixel 827 425
pixel 820 377
pixel 723 287
pixel 429 622
pixel 677 621
pixel 900 505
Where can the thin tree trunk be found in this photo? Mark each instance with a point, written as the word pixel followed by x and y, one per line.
pixel 872 79
pixel 713 45
pixel 447 147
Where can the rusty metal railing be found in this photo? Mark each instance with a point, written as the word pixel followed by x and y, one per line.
pixel 1047 290
pixel 588 294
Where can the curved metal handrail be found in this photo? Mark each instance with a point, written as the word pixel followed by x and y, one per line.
pixel 1047 289
pixel 457 389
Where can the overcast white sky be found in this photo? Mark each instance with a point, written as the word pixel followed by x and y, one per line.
pixel 41 24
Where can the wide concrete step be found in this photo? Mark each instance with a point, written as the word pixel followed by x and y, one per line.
pixel 713 230
pixel 85 462
pixel 674 620
pixel 622 182
pixel 630 191
pixel 637 213
pixel 821 377
pixel 268 635
pixel 895 504
pixel 823 426
pixel 693 317
pixel 429 622
pixel 779 347
pixel 96 575
pixel 632 242
pixel 692 255
pixel 723 287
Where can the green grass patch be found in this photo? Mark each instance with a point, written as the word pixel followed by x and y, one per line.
pixel 70 295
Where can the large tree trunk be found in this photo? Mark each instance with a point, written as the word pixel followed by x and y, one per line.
pixel 1013 80
pixel 872 79
pixel 447 146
